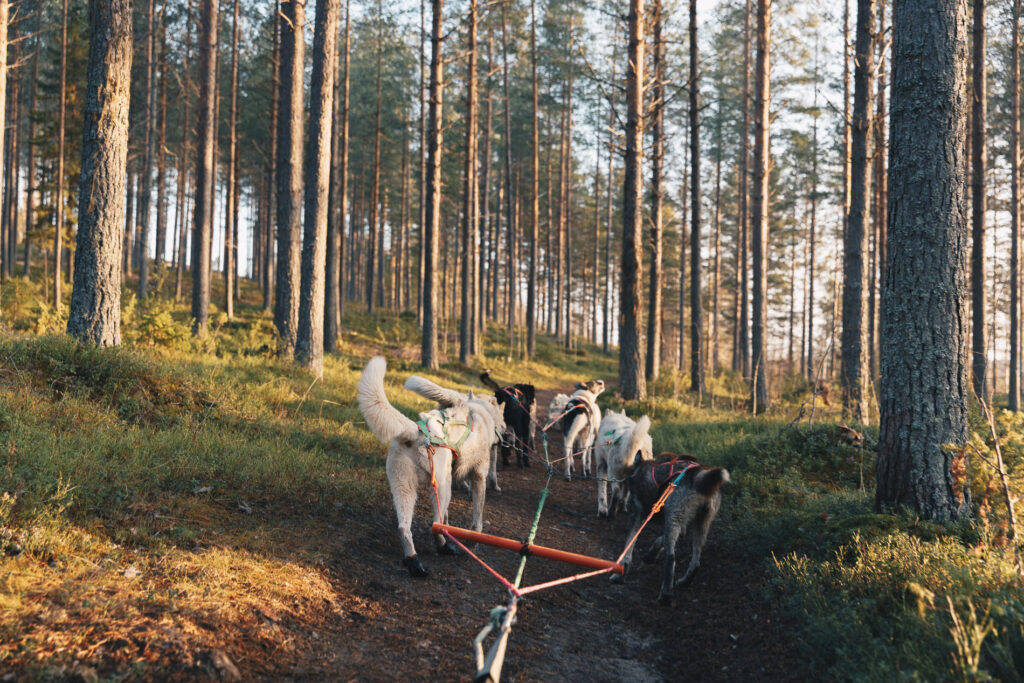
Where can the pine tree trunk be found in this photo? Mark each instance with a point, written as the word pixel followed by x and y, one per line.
pixel 149 152
pixel 716 267
pixel 741 362
pixel 183 167
pixel 607 279
pixel 1015 355
pixel 58 240
pixel 424 181
pixel 289 174
pixel 376 235
pixel 95 312
pixel 632 382
pixel 654 306
pixel 206 134
pixel 428 354
pixel 924 313
pixel 762 90
pixel 531 293
pixel 511 269
pixel 978 163
pixel 469 207
pixel 309 346
pixel 231 210
pixel 696 293
pixel 31 198
pixel 855 368
pixel 269 262
pixel 334 301
pixel 847 177
pixel 161 148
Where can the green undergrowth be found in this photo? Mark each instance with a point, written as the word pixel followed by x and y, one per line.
pixel 195 458
pixel 875 597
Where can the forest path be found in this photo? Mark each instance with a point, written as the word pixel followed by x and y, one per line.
pixel 391 626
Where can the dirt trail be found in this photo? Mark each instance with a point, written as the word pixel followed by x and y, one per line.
pixel 390 626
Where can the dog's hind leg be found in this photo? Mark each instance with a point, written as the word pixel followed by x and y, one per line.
pixel 402 479
pixel 638 520
pixel 444 498
pixel 700 535
pixel 479 488
pixel 492 473
pixel 674 526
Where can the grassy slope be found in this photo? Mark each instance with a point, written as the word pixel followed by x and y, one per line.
pixel 131 479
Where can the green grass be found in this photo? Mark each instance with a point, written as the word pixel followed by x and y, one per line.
pixel 153 455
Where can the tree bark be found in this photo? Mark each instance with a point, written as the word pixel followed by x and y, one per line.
pixel 654 305
pixel 696 293
pixel 1015 355
pixel 269 261
pixel 632 382
pixel 469 207
pixel 30 171
pixel 334 301
pixel 149 151
pixel 924 313
pixel 58 240
pixel 161 147
pixel 95 312
pixel 309 347
pixel 289 173
pixel 231 208
pixel 375 233
pixel 206 141
pixel 978 163
pixel 428 352
pixel 531 292
pixel 743 363
pixel 762 94
pixel 855 367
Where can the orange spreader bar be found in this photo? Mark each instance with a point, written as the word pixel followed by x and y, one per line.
pixel 538 550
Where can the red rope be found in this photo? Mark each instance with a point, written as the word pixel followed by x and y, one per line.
pixel 559 582
pixel 505 582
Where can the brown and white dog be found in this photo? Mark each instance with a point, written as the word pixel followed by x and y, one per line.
pixel 408 463
pixel 690 508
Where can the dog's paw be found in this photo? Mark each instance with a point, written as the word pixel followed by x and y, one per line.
pixel 617 578
pixel 665 599
pixel 415 567
pixel 448 549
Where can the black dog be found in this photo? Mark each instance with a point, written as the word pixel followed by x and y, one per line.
pixel 518 402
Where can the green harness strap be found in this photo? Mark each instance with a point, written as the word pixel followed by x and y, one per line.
pixel 446 440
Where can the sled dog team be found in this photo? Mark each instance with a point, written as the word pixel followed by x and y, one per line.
pixel 459 441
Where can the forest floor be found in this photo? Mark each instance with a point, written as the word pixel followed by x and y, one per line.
pixel 719 629
pixel 188 510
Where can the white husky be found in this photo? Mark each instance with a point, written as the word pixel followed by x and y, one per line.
pixel 580 421
pixel 470 424
pixel 619 441
pixel 555 410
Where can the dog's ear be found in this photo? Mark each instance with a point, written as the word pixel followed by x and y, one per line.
pixel 469 395
pixel 581 385
pixel 637 459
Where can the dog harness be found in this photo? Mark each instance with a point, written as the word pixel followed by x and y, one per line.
pixel 445 440
pixel 615 435
pixel 673 471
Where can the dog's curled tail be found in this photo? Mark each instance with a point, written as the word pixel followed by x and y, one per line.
pixel 640 440
pixel 384 420
pixel 446 398
pixel 489 382
pixel 707 482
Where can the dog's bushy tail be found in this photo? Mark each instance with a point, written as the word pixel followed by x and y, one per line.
pixel 384 420
pixel 446 398
pixel 640 440
pixel 707 482
pixel 489 382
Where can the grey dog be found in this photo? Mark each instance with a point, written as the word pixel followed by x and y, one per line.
pixel 691 507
